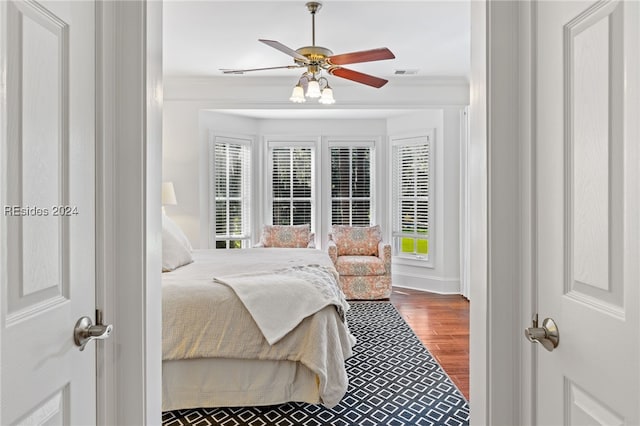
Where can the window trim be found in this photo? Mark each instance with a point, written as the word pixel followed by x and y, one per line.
pixel 245 141
pixel 407 140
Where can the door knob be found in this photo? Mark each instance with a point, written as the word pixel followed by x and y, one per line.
pixel 547 335
pixel 85 331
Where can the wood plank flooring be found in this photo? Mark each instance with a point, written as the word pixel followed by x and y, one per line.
pixel 441 322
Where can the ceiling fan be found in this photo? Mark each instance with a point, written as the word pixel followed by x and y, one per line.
pixel 316 58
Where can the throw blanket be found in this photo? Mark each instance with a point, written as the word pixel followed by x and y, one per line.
pixel 279 300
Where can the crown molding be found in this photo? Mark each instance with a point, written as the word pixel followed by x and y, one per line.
pixel 273 92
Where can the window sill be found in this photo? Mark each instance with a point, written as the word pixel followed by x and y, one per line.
pixel 419 261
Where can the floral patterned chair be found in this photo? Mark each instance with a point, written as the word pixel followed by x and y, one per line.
pixel 290 236
pixel 363 261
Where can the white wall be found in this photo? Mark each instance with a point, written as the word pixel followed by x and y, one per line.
pixel 185 155
pixel 444 274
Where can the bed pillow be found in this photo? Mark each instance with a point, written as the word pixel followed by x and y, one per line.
pixel 177 231
pixel 293 236
pixel 176 249
pixel 356 240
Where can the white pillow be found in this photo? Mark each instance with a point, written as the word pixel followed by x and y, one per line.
pixel 177 231
pixel 176 249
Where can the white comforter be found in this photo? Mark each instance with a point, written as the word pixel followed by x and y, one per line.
pixel 204 319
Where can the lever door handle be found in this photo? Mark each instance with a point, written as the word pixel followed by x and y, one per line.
pixel 85 331
pixel 547 335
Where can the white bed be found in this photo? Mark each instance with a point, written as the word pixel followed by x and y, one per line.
pixel 214 352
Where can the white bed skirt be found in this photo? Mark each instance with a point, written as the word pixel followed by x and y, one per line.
pixel 222 382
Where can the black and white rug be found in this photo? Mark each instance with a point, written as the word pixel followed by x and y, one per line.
pixel 393 380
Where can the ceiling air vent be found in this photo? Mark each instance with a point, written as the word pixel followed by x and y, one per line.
pixel 406 72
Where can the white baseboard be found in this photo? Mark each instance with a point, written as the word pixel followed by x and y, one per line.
pixel 429 284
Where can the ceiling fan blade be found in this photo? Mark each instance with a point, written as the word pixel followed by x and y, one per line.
pixel 362 56
pixel 284 49
pixel 358 77
pixel 228 71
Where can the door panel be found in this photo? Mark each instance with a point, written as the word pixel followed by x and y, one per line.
pixel 593 162
pixel 587 210
pixel 35 168
pixel 48 211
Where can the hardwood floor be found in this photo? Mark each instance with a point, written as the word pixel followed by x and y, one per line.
pixel 442 324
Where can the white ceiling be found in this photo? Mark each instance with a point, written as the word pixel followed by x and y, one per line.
pixel 201 37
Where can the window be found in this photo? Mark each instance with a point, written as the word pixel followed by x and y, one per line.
pixel 231 187
pixel 411 189
pixel 351 185
pixel 292 195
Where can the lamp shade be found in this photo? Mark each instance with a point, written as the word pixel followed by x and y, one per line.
pixel 313 90
pixel 327 96
pixel 168 194
pixel 297 95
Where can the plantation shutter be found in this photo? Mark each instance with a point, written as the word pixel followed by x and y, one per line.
pixel 232 193
pixel 411 198
pixel 351 193
pixel 291 181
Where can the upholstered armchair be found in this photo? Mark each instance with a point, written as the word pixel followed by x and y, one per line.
pixel 289 236
pixel 363 261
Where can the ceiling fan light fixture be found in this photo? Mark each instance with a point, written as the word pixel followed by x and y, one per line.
pixel 313 90
pixel 327 96
pixel 297 96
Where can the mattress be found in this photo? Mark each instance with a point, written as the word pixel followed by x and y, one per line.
pixel 210 338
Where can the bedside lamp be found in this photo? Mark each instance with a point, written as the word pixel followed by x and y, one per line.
pixel 168 195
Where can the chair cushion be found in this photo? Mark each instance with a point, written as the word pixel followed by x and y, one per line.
pixel 292 236
pixel 356 240
pixel 370 287
pixel 360 265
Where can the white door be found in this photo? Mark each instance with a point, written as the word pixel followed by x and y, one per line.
pixel 48 244
pixel 586 132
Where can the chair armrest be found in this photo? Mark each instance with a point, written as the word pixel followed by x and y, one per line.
pixel 332 248
pixel 384 253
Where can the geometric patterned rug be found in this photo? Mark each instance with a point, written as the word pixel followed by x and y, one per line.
pixel 393 380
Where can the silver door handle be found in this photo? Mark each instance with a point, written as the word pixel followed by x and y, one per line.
pixel 85 331
pixel 547 335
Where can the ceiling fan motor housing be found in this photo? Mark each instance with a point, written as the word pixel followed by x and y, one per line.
pixel 315 54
